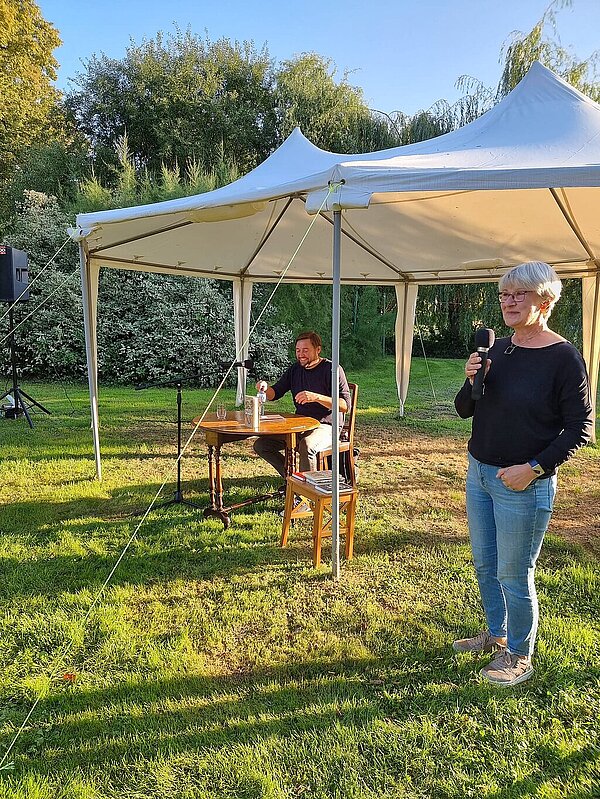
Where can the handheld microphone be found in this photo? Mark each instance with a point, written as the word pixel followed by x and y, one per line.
pixel 484 340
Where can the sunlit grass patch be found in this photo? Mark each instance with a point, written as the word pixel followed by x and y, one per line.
pixel 216 664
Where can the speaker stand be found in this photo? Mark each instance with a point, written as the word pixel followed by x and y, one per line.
pixel 22 401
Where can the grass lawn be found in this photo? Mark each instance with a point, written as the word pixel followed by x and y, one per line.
pixel 216 664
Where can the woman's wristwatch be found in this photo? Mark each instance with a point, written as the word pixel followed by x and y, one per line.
pixel 537 468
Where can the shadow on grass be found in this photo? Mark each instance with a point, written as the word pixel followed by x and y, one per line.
pixel 130 501
pixel 177 542
pixel 345 703
pixel 52 576
pixel 394 540
pixel 172 543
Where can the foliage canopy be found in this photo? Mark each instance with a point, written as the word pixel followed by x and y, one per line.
pixel 178 97
pixel 180 114
pixel 27 69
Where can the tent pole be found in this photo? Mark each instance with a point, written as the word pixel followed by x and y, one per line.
pixel 590 301
pixel 242 302
pixel 335 396
pixel 89 322
pixel 406 303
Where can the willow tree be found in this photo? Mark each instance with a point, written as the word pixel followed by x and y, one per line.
pixel 329 110
pixel 543 44
pixel 448 315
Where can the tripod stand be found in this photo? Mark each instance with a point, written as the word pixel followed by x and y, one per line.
pixel 178 498
pixel 19 396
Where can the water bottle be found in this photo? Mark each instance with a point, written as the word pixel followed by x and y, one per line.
pixel 262 398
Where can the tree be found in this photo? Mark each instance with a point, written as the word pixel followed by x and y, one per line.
pixel 27 69
pixel 332 115
pixel 54 168
pixel 178 98
pixel 363 318
pixel 542 44
pixel 149 326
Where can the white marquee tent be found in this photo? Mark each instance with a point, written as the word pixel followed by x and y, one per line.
pixel 520 183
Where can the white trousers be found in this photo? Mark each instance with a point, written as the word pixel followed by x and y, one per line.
pixel 272 448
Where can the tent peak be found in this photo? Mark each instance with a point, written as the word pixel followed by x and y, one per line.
pixel 542 75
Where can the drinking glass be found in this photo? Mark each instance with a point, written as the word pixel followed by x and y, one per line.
pixel 221 412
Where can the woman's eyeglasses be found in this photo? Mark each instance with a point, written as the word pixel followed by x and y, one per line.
pixel 517 296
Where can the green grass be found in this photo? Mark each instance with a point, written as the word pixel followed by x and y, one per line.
pixel 217 664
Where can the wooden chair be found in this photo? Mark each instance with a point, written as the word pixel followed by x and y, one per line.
pixel 346 438
pixel 318 506
pixel 318 503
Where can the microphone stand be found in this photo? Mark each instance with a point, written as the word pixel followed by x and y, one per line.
pixel 178 498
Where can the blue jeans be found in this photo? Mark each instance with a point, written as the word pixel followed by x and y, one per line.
pixel 507 529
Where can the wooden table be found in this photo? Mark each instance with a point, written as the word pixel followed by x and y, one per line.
pixel 233 428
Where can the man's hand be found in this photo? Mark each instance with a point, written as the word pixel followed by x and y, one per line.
pixel 309 396
pixel 262 385
pixel 518 477
pixel 327 402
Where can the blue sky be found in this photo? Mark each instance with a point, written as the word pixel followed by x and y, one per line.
pixel 404 54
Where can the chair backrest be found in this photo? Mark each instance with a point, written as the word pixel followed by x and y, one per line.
pixel 347 433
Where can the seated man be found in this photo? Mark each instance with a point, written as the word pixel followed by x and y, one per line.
pixel 309 381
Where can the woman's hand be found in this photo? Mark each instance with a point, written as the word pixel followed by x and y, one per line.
pixel 473 365
pixel 518 477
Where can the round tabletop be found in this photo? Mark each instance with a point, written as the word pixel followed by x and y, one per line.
pixel 278 424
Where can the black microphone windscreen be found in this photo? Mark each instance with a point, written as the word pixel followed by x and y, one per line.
pixel 484 338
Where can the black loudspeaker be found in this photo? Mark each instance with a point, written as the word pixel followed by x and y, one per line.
pixel 14 274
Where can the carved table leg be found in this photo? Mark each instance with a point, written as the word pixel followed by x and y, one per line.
pixel 211 477
pixel 218 478
pixel 215 487
pixel 290 454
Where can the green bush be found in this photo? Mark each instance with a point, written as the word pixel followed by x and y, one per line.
pixel 150 327
pixel 153 327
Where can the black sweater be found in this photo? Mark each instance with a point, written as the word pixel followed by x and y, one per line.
pixel 535 406
pixel 318 379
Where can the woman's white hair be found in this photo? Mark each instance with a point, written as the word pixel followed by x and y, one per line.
pixel 534 276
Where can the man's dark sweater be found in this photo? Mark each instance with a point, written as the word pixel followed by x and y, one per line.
pixel 535 406
pixel 318 379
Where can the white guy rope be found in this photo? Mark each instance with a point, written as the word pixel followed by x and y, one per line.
pixel 61 656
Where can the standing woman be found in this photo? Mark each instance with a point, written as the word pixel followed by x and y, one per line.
pixel 534 414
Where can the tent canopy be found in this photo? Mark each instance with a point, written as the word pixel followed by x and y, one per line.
pixel 520 183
